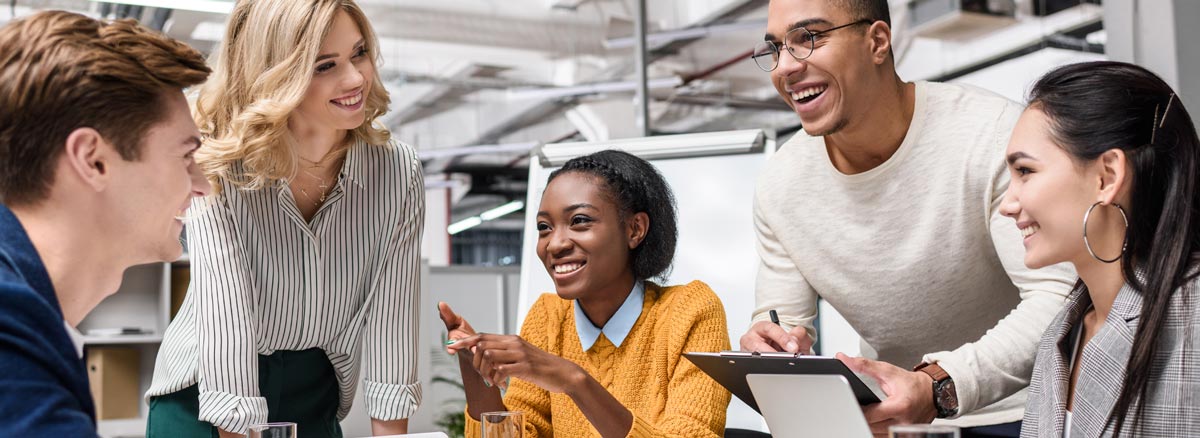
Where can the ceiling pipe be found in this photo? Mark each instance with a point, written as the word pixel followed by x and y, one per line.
pixel 212 6
pixel 642 96
pixel 741 57
pixel 550 108
pixel 659 38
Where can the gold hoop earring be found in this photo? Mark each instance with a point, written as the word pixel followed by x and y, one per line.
pixel 1124 242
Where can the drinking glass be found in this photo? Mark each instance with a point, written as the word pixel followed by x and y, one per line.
pixel 923 431
pixel 273 430
pixel 505 424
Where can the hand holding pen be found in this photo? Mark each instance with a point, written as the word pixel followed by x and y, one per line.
pixel 769 336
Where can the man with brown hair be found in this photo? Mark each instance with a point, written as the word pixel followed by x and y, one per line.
pixel 96 144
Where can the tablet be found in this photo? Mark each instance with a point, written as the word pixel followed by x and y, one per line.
pixel 808 405
pixel 729 368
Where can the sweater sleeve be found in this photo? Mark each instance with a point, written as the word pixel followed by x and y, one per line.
pixel 523 396
pixel 696 404
pixel 226 322
pixel 1001 362
pixel 779 284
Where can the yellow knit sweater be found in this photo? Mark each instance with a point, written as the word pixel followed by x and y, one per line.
pixel 668 396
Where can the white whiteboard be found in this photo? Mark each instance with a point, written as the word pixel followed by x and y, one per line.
pixel 714 195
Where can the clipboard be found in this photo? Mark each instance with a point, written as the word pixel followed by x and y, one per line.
pixel 729 368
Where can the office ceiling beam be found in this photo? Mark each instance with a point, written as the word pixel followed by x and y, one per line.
pixel 556 107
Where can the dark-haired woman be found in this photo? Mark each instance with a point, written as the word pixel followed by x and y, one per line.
pixel 604 355
pixel 1105 167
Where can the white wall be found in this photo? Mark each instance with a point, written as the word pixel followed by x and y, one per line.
pixel 1159 35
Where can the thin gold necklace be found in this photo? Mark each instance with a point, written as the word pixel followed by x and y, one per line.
pixel 324 186
pixel 334 152
pixel 324 183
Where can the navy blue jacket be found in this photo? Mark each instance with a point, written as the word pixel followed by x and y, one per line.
pixel 43 382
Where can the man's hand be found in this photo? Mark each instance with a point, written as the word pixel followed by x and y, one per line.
pixel 909 394
pixel 765 336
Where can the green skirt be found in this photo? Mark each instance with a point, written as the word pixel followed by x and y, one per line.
pixel 300 387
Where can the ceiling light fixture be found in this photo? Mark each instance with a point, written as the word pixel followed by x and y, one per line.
pixel 659 147
pixel 491 214
pixel 502 210
pixel 464 225
pixel 429 154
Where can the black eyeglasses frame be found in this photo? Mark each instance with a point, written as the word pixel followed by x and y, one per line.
pixel 773 51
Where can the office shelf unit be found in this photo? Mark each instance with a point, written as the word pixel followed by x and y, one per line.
pixel 142 302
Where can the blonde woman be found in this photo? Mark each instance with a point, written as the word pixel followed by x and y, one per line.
pixel 305 260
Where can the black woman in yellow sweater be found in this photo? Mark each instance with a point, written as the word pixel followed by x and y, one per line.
pixel 603 356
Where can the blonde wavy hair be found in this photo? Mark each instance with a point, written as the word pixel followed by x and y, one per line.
pixel 262 72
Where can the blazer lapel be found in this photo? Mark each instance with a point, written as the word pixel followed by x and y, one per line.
pixel 1103 365
pixel 1056 361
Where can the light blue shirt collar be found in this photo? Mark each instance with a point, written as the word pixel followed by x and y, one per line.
pixel 617 327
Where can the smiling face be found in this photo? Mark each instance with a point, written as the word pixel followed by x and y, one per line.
pixel 148 195
pixel 832 84
pixel 341 81
pixel 1049 194
pixel 582 240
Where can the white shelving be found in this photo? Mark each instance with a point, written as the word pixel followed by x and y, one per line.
pixel 142 302
pixel 122 340
pixel 130 428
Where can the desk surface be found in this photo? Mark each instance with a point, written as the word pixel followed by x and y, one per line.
pixel 416 435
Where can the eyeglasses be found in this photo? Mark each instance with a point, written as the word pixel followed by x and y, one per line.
pixel 799 42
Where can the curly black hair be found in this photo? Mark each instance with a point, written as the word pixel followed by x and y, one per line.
pixel 635 186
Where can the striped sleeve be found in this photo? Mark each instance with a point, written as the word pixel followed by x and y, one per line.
pixel 392 389
pixel 228 360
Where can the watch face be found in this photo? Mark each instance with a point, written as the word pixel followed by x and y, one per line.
pixel 946 396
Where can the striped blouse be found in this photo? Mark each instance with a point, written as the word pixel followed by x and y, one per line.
pixel 264 280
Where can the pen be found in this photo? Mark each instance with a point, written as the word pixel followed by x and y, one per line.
pixel 775 319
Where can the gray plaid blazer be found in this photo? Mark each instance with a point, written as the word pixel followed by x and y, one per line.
pixel 1173 398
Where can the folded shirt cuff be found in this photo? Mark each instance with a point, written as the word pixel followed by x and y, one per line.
pixel 230 412
pixel 391 401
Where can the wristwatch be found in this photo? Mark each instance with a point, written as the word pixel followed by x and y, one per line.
pixel 945 397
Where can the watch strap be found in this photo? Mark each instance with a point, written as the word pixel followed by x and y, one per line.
pixel 946 408
pixel 934 371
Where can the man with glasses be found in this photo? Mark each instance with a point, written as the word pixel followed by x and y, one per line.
pixel 886 206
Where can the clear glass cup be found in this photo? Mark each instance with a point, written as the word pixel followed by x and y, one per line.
pixel 505 424
pixel 273 430
pixel 923 431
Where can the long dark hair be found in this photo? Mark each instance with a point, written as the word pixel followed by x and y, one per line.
pixel 1095 107
pixel 635 186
